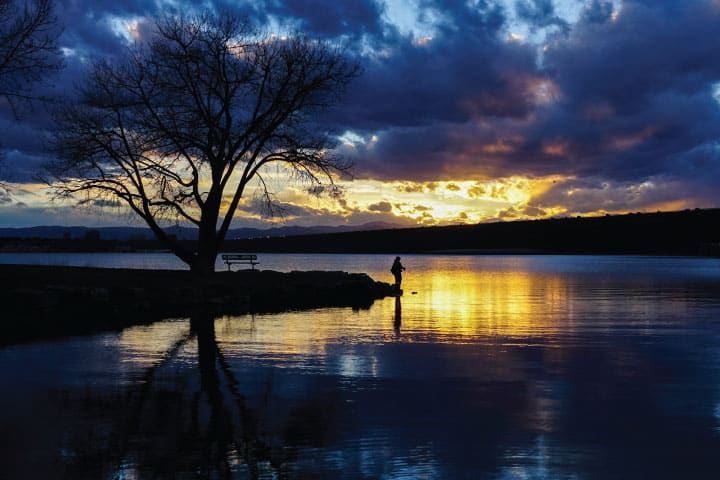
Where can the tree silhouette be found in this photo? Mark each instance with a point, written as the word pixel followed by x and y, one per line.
pixel 28 47
pixel 181 126
pixel 28 51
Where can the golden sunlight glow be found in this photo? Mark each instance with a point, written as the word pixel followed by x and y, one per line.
pixel 484 302
pixel 413 203
pixel 615 15
pixel 515 37
pixel 450 304
pixel 436 203
pixel 146 345
pixel 271 335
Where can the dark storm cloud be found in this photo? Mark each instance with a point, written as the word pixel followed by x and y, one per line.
pixel 622 97
pixel 465 69
pixel 637 93
pixel 540 14
pixel 444 80
pixel 424 94
pixel 87 24
pixel 318 18
pixel 597 11
pixel 330 17
pixel 631 100
pixel 645 52
pixel 384 207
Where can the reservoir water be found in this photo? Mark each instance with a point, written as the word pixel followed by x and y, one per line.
pixel 499 367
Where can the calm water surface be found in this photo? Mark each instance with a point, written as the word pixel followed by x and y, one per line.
pixel 498 367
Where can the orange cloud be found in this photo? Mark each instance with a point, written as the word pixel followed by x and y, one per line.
pixel 498 147
pixel 622 143
pixel 555 149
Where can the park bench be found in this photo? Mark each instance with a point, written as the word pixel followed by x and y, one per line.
pixel 231 258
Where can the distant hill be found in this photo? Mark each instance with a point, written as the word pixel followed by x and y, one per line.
pixel 182 233
pixel 689 232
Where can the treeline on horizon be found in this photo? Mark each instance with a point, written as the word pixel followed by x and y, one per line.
pixel 689 232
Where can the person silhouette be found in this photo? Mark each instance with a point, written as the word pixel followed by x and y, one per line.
pixel 396 270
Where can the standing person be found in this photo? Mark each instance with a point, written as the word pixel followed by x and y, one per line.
pixel 396 270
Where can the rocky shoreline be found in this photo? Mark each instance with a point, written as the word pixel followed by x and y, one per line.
pixel 48 301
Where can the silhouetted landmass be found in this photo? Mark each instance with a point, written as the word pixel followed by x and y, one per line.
pixel 690 232
pixel 143 234
pixel 46 301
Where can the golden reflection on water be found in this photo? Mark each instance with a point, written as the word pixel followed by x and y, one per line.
pixel 501 356
pixel 504 303
pixel 448 301
pixel 440 305
pixel 143 346
pixel 291 333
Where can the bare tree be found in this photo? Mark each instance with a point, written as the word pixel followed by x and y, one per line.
pixel 28 47
pixel 28 51
pixel 182 125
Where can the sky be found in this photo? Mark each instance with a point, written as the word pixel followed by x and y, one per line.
pixel 466 111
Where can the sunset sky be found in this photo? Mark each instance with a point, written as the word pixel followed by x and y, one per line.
pixel 466 111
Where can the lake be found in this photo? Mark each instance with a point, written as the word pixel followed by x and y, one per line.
pixel 499 367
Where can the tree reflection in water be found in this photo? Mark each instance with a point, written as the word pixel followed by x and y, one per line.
pixel 178 419
pixel 514 373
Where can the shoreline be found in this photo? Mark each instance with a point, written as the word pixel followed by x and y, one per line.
pixel 43 301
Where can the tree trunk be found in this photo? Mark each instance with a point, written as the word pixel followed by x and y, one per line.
pixel 208 244
pixel 203 265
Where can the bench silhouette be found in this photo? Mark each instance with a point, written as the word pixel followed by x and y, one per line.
pixel 232 258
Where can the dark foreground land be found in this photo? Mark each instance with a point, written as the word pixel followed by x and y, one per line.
pixel 46 301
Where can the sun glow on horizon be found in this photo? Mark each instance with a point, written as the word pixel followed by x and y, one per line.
pixel 432 203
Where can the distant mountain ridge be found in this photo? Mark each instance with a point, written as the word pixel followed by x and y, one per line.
pixel 182 233
pixel 688 232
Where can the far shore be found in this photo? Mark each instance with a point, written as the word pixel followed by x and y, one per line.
pixel 50 301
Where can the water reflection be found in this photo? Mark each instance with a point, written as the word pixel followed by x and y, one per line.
pixel 397 319
pixel 513 370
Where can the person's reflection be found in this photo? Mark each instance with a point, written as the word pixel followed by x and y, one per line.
pixel 398 315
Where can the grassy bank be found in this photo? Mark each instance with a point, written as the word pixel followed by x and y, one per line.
pixel 47 301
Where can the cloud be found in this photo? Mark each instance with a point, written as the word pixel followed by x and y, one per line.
pixel 598 11
pixel 540 14
pixel 592 195
pixel 633 99
pixel 622 99
pixel 384 207
pixel 5 198
pixel 331 18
